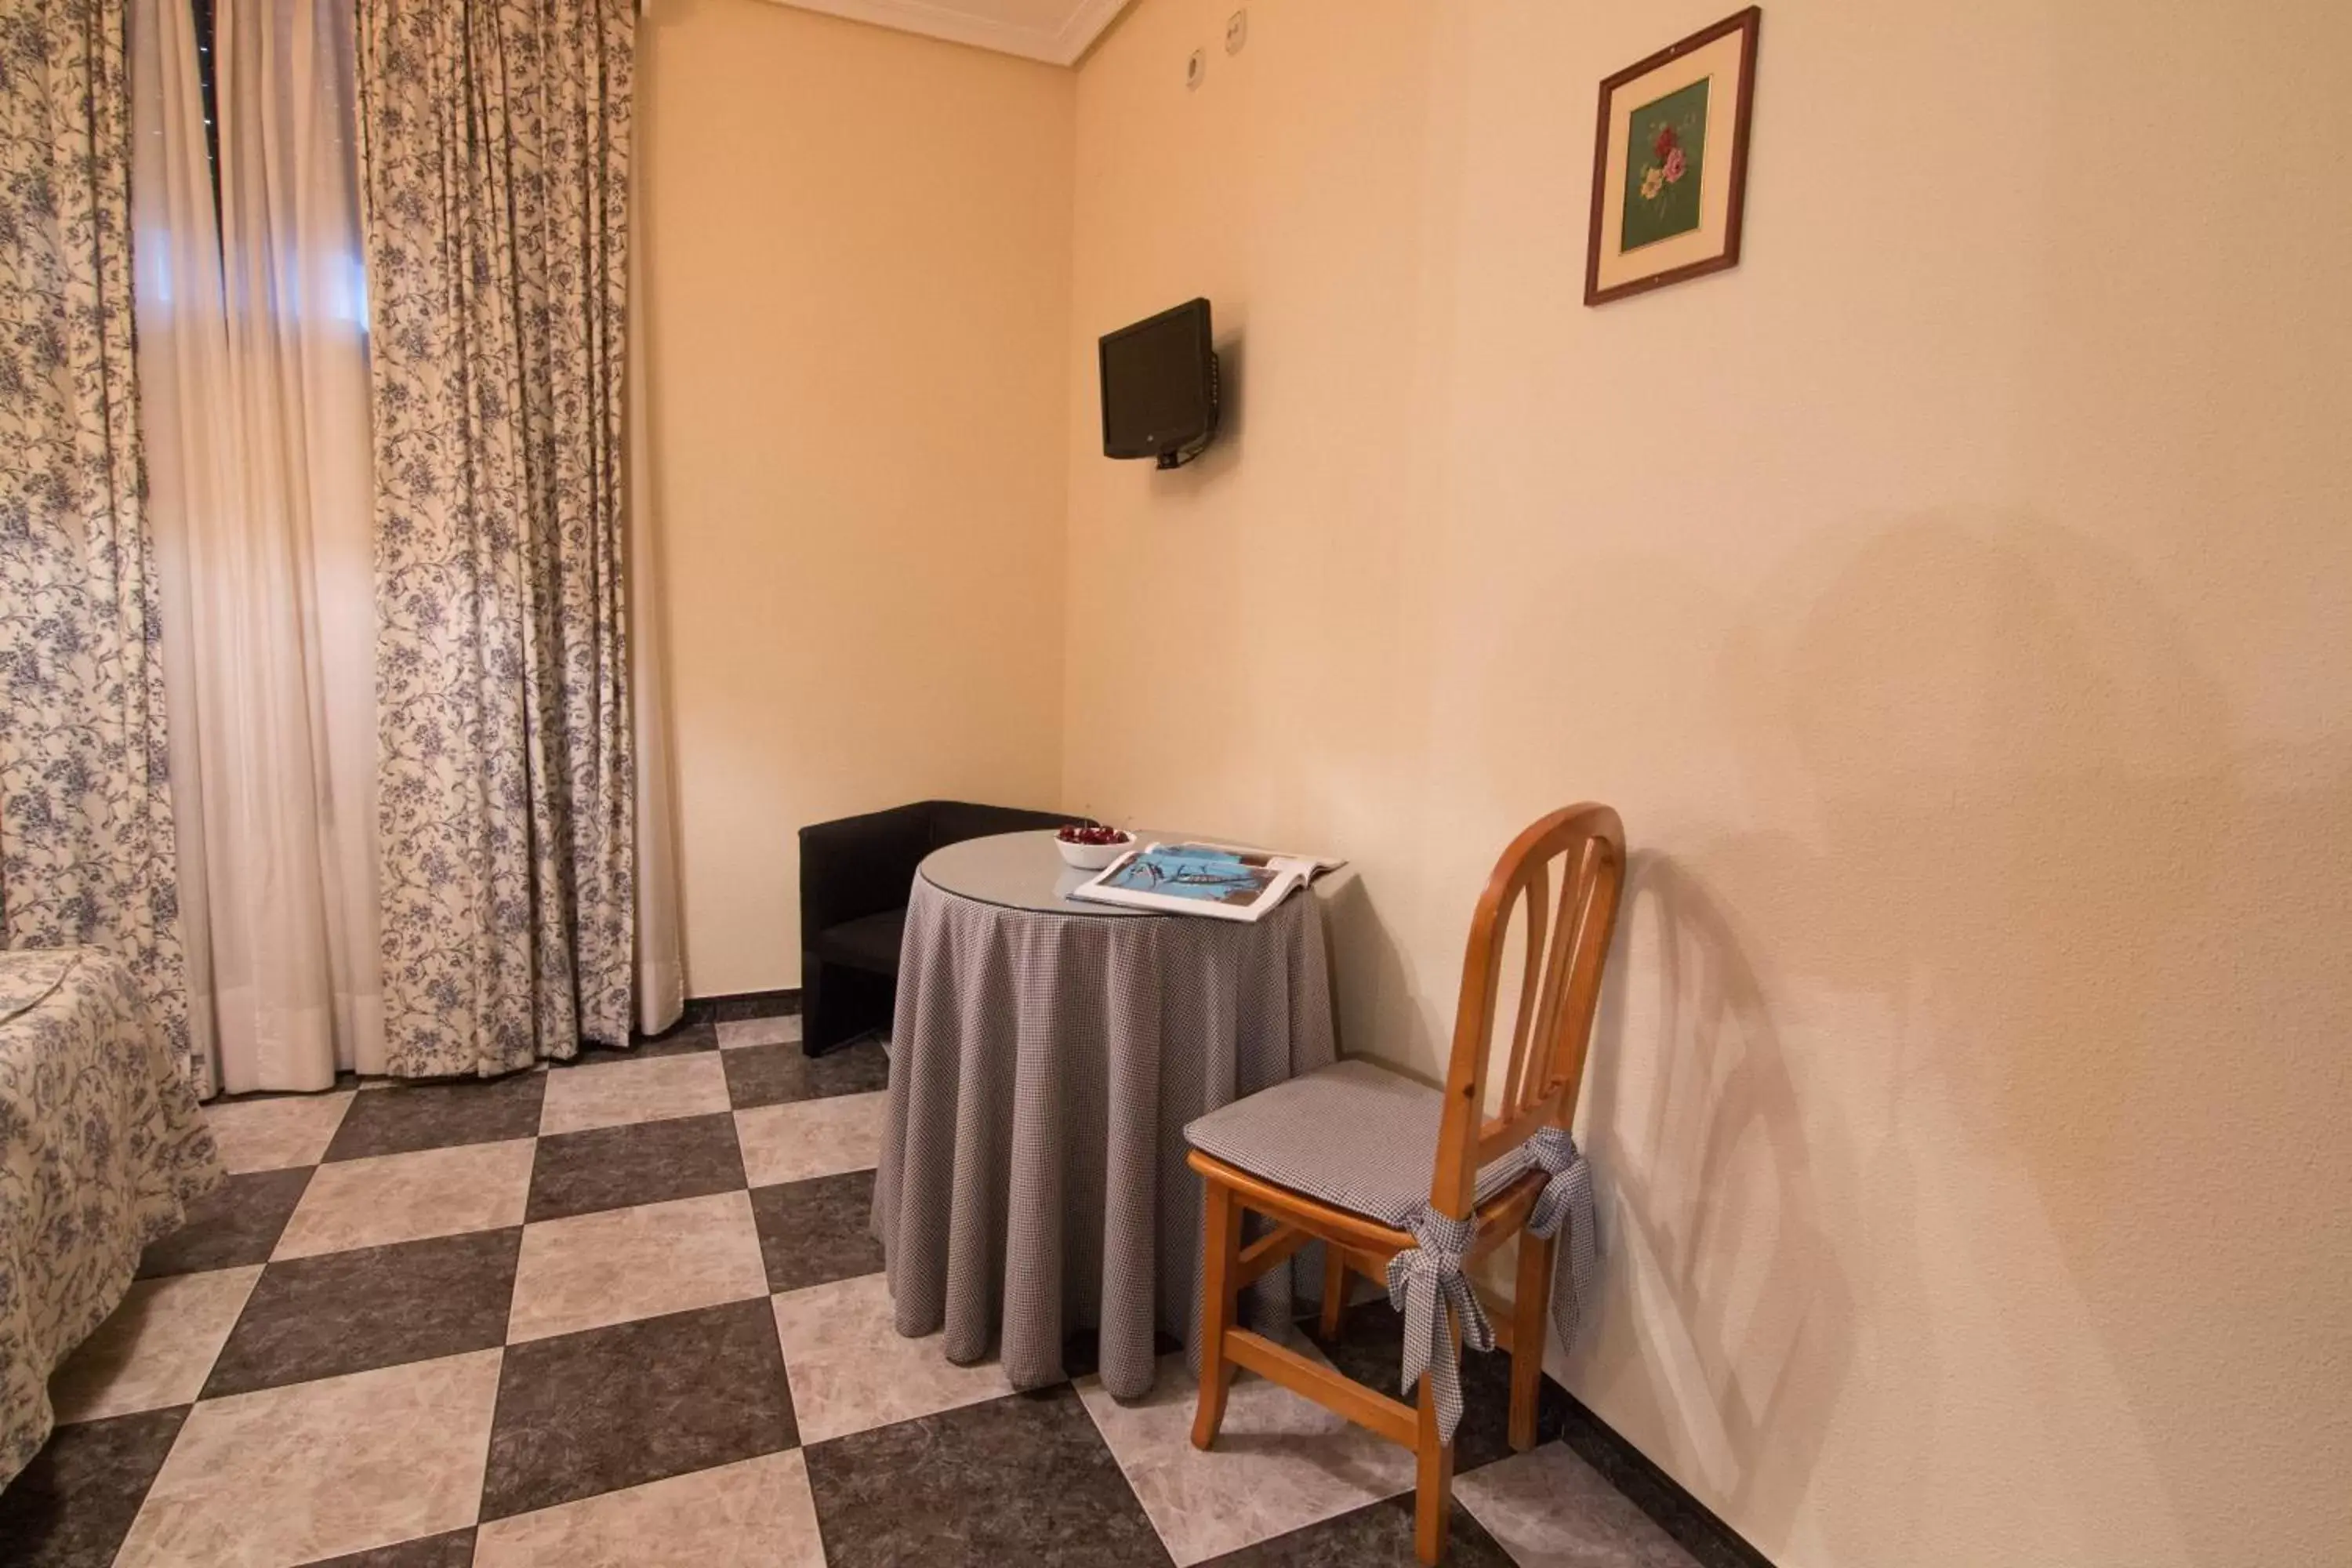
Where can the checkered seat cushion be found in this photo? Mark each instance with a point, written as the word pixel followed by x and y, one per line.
pixel 1353 1134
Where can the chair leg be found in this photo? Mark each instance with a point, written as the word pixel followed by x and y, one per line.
pixel 1221 1246
pixel 1335 1288
pixel 1433 1497
pixel 1530 1312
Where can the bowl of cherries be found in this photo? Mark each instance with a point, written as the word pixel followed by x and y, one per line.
pixel 1092 849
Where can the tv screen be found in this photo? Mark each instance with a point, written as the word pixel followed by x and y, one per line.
pixel 1160 386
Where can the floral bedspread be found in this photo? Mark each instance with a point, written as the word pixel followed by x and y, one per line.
pixel 102 1149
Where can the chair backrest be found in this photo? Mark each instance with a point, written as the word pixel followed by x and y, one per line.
pixel 954 821
pixel 859 866
pixel 1580 851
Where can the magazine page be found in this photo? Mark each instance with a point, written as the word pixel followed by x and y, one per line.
pixel 1314 866
pixel 1210 879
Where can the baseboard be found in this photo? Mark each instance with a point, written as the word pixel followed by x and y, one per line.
pixel 740 1004
pixel 1690 1521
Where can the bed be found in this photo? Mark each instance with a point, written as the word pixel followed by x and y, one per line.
pixel 102 1149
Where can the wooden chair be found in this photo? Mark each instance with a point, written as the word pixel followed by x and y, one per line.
pixel 1258 1154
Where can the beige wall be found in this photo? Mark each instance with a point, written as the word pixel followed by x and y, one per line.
pixel 857 248
pixel 1957 599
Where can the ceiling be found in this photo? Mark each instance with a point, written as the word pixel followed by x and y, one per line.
pixel 1055 31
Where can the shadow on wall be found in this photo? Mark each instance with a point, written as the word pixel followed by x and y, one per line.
pixel 1754 1347
pixel 1371 985
pixel 2051 913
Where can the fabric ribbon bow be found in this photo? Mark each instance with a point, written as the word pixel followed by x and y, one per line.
pixel 1427 1285
pixel 1567 1197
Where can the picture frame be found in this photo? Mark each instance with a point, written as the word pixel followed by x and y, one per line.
pixel 1670 163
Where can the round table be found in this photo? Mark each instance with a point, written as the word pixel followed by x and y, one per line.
pixel 1022 871
pixel 1045 1057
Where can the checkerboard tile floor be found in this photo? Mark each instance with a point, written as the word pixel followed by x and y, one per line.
pixel 627 1312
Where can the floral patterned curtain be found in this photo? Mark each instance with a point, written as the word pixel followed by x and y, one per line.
pixel 494 155
pixel 86 844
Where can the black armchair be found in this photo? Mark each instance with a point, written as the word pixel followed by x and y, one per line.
pixel 857 874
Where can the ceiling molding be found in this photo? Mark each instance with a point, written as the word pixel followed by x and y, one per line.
pixel 1059 46
pixel 1087 24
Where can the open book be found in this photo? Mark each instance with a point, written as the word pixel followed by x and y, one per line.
pixel 1212 879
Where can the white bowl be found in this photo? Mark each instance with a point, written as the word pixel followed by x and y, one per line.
pixel 1094 857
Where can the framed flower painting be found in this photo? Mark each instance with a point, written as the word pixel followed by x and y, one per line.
pixel 1670 163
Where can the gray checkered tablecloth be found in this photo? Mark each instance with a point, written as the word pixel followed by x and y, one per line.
pixel 1033 1183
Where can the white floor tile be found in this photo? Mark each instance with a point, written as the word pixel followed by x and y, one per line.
pixel 158 1347
pixel 271 1135
pixel 779 1031
pixel 805 1137
pixel 1548 1509
pixel 850 1369
pixel 621 1265
pixel 321 1470
pixel 1281 1461
pixel 654 1089
pixel 387 1198
pixel 756 1514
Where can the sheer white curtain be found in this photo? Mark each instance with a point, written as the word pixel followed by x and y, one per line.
pixel 253 387
pixel 661 942
pixel 253 381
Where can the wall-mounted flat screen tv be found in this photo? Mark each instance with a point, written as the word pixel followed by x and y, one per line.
pixel 1160 387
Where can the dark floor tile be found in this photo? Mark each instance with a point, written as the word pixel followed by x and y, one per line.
pixel 771 1075
pixel 72 1507
pixel 404 1117
pixel 1024 1479
pixel 1371 1537
pixel 1370 1349
pixel 750 1004
pixel 375 1305
pixel 607 1408
pixel 237 1223
pixel 691 1016
pixel 455 1549
pixel 640 1163
pixel 1082 1351
pixel 685 1039
pixel 1633 1476
pixel 814 1232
